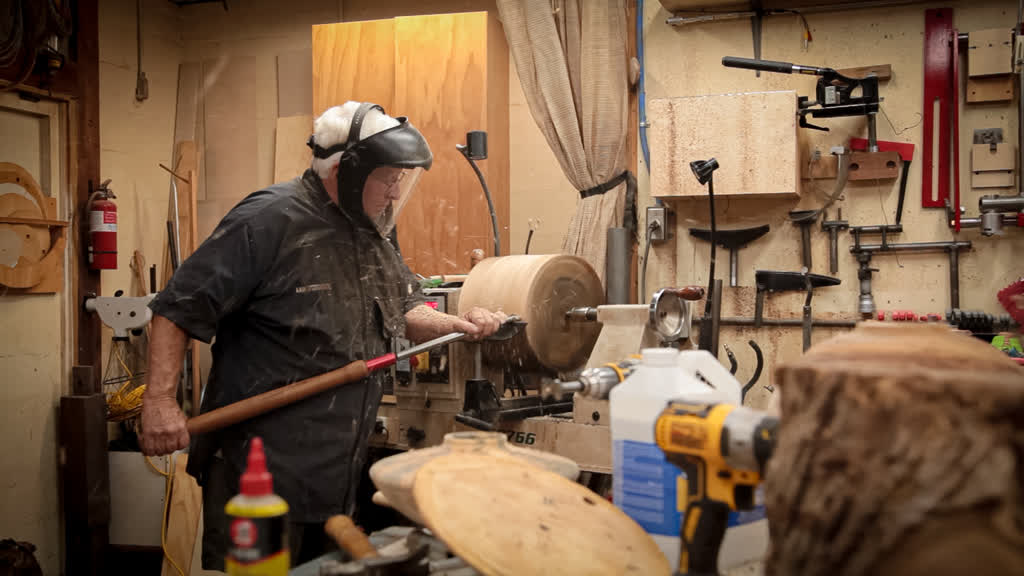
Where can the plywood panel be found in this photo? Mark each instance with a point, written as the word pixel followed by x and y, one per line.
pixel 752 135
pixel 441 83
pixel 353 61
pixel 294 83
pixel 990 89
pixel 291 156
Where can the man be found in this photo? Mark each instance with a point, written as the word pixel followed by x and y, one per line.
pixel 297 280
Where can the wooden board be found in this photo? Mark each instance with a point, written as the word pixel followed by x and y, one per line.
pixel 186 165
pixel 353 61
pixel 990 89
pixel 548 524
pixel 992 180
pixel 874 165
pixel 291 155
pixel 295 83
pixel 984 159
pixel 989 52
pixel 183 518
pixel 752 135
pixel 441 84
pixel 883 71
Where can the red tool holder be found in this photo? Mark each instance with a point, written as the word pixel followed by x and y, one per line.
pixel 939 41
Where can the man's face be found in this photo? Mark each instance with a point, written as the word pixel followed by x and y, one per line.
pixel 382 187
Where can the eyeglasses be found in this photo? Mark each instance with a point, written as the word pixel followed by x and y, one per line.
pixel 389 180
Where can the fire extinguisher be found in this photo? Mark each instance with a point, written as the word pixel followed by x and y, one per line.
pixel 102 229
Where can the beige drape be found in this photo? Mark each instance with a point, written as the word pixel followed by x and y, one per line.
pixel 571 59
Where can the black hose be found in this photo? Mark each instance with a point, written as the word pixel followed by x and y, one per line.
pixel 528 238
pixel 487 194
pixel 757 370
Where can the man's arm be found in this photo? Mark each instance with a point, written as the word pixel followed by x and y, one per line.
pixel 163 424
pixel 423 323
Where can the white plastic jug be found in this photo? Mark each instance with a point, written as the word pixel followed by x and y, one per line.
pixel 646 486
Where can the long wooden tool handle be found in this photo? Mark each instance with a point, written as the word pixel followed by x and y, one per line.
pixel 276 398
pixel 349 537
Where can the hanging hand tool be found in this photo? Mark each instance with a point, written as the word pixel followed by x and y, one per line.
pixel 906 152
pixel 804 219
pixel 723 450
pixel 366 561
pixel 757 370
pixel 774 281
pixel 351 372
pixel 733 241
pixel 833 227
pixel 837 95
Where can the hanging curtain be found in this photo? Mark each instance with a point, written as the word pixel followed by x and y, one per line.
pixel 571 59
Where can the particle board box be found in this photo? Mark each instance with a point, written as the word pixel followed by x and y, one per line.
pixel 752 135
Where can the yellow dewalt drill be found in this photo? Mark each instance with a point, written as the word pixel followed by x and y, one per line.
pixel 723 450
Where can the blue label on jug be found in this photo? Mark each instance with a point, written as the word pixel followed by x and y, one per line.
pixel 645 486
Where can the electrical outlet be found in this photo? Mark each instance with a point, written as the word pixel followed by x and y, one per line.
pixel 658 223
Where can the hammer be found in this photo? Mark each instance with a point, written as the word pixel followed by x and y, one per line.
pixel 731 240
pixel 366 560
pixel 351 372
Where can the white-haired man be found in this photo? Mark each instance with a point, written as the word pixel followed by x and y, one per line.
pixel 296 280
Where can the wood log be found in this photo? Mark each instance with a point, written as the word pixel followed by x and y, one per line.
pixel 893 441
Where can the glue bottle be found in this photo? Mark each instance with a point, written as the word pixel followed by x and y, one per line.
pixel 258 522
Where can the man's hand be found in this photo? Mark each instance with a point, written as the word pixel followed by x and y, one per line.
pixel 479 323
pixel 163 426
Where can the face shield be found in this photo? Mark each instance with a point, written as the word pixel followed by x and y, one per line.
pixel 377 175
pixel 386 191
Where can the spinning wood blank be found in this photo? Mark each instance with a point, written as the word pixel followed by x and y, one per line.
pixel 540 289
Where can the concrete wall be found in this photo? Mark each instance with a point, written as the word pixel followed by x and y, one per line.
pixel 686 61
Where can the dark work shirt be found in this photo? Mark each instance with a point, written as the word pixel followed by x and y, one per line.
pixel 293 286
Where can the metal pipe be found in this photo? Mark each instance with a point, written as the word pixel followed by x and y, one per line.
pixel 954 278
pixel 734 266
pixel 909 247
pixel 582 314
pixel 1001 204
pixel 1007 220
pixel 716 316
pixel 789 322
pixel 872 133
pixel 617 261
pixel 877 229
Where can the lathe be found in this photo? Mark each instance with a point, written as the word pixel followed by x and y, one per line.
pixel 497 385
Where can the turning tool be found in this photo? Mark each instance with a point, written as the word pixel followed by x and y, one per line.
pixel 351 372
pixel 805 219
pixel 833 227
pixel 774 281
pixel 722 449
pixel 733 241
